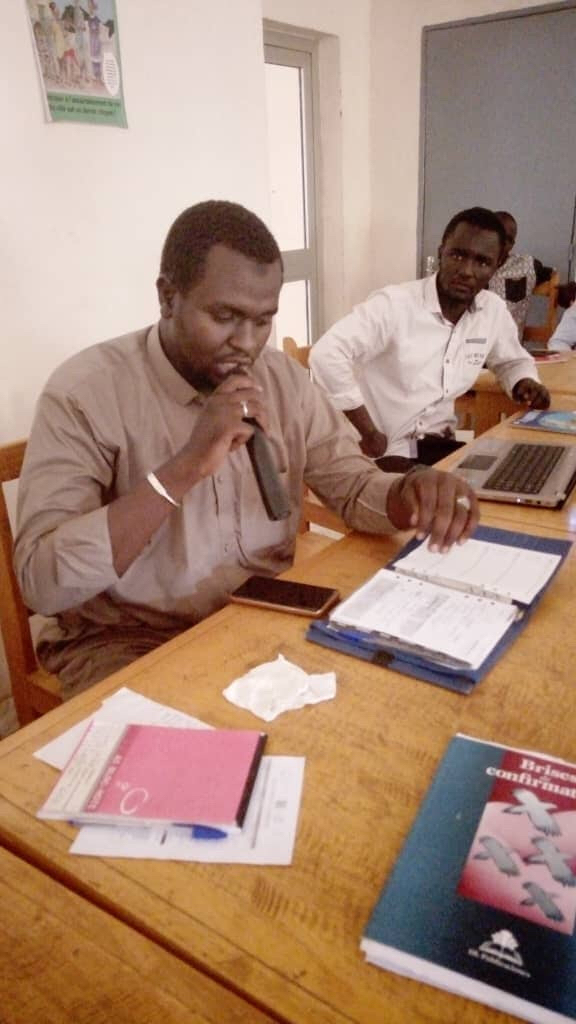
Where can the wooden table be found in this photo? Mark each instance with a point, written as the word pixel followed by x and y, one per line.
pixel 490 402
pixel 65 961
pixel 287 939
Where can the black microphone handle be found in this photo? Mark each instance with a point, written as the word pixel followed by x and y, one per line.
pixel 271 488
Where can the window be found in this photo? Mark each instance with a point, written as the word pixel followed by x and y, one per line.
pixel 289 91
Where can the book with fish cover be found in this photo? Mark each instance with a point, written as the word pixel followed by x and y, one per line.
pixel 556 420
pixel 482 900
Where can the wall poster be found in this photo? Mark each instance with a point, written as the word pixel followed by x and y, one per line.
pixel 78 56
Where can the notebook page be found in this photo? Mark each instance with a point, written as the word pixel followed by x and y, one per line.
pixel 428 616
pixel 495 570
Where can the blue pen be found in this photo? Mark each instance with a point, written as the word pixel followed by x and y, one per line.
pixel 206 832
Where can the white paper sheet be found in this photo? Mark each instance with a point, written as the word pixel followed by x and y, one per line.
pixel 125 706
pixel 515 574
pixel 427 616
pixel 267 837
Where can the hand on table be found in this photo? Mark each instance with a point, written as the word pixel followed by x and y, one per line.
pixel 434 503
pixel 531 393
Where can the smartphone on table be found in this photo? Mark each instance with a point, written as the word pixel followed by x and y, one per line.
pixel 286 595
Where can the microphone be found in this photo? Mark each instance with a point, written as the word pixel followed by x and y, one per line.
pixel 271 488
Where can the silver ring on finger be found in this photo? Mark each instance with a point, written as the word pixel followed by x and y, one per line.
pixel 245 412
pixel 463 501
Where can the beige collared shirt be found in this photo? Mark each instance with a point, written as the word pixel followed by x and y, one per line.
pixel 106 418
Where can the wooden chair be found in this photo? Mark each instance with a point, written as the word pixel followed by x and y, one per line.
pixel 313 511
pixel 466 404
pixel 300 353
pixel 543 332
pixel 34 690
pixel 465 407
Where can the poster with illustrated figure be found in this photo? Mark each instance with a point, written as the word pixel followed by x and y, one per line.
pixel 78 55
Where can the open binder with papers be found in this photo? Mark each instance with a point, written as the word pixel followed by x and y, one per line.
pixel 445 618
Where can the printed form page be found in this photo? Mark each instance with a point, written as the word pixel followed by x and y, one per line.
pixel 462 626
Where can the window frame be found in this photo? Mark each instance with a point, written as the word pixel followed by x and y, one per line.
pixel 287 50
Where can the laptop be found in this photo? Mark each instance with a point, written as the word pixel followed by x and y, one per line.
pixel 519 473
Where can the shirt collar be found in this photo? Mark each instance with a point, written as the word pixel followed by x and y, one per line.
pixel 432 302
pixel 173 382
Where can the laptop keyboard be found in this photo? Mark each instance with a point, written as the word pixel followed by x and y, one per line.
pixel 525 469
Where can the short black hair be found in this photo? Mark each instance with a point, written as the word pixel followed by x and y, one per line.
pixel 478 217
pixel 505 214
pixel 214 222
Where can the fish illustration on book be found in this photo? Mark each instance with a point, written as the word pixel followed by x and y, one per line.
pixel 536 809
pixel 554 859
pixel 537 896
pixel 497 852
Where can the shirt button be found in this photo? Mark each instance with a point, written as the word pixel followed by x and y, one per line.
pixel 219 478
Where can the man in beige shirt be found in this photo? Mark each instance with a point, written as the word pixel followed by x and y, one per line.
pixel 138 507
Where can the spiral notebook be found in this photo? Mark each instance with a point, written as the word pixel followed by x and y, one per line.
pixel 364 630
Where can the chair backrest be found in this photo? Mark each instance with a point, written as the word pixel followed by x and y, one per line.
pixel 313 511
pixel 14 616
pixel 298 352
pixel 544 331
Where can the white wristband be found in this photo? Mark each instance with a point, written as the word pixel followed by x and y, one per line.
pixel 161 490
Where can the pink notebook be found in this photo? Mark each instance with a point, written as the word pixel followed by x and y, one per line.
pixel 155 774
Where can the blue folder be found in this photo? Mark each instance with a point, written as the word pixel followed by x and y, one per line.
pixel 461 680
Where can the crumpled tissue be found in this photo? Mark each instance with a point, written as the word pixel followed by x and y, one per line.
pixel 278 686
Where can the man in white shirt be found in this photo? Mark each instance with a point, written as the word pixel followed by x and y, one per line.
pixel 396 364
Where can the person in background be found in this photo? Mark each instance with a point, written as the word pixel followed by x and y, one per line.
pixel 518 276
pixel 564 337
pixel 138 508
pixel 396 364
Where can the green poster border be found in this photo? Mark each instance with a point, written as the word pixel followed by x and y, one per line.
pixel 87 109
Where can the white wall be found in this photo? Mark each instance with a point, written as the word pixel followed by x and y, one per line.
pixel 396 35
